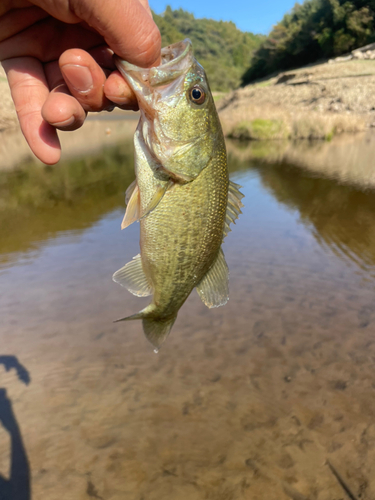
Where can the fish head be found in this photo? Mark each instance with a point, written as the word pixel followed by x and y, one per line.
pixel 179 122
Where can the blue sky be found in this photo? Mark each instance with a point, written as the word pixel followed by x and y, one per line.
pixel 249 15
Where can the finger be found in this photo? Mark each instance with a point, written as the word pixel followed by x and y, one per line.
pixel 146 6
pixel 19 19
pixel 53 74
pixel 7 5
pixel 103 55
pixel 126 26
pixel 118 91
pixel 62 110
pixel 85 79
pixel 29 91
pixel 47 40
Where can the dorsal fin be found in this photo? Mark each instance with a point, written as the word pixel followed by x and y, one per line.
pixel 233 206
pixel 133 278
pixel 213 288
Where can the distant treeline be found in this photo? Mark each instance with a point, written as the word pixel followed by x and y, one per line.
pixel 314 30
pixel 223 50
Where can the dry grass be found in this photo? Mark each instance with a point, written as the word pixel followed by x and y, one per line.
pixel 319 102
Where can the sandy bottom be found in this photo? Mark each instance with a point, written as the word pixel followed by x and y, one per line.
pixel 261 399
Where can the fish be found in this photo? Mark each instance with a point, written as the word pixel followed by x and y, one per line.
pixel 182 195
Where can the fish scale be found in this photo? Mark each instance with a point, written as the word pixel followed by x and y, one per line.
pixel 196 228
pixel 182 196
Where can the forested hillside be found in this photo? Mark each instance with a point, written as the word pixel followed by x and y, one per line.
pixel 223 50
pixel 311 31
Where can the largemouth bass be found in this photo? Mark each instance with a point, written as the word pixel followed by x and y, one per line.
pixel 182 195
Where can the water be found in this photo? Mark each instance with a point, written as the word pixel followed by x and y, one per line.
pixel 260 399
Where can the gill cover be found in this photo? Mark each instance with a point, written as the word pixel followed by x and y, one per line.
pixel 179 123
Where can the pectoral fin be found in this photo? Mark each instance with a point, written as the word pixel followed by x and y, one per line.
pixel 133 278
pixel 213 288
pixel 133 210
pixel 130 190
pixel 234 206
pixel 158 195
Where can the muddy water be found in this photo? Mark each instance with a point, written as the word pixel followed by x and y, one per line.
pixel 270 397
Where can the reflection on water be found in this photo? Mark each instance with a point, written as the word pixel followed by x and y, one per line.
pixel 248 401
pixel 339 216
pixel 36 203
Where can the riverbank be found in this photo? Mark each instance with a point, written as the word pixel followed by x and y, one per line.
pixel 314 102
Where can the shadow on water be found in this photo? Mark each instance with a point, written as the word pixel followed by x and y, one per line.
pixel 17 487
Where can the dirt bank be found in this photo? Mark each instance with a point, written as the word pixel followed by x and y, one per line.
pixel 8 117
pixel 315 102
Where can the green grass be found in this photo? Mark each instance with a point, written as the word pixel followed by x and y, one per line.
pixel 259 130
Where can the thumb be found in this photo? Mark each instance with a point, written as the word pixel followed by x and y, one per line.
pixel 126 26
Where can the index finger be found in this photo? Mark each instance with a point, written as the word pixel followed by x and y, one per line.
pixel 29 91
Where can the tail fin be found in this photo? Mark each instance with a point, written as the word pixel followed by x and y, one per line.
pixel 155 329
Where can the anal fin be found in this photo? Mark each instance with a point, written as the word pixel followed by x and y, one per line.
pixel 213 289
pixel 133 278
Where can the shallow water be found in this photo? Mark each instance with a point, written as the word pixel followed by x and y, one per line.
pixel 261 399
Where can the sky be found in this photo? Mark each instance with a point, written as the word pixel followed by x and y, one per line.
pixel 257 16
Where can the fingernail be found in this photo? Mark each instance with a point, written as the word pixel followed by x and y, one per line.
pixel 78 77
pixel 65 123
pixel 120 100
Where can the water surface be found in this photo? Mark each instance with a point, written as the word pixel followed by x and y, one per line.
pixel 253 400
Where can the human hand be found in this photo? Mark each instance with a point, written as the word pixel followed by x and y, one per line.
pixel 58 58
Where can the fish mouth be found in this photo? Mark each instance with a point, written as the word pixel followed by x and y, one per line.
pixel 154 85
pixel 176 61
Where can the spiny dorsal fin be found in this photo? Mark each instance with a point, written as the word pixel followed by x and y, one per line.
pixel 213 288
pixel 133 278
pixel 133 210
pixel 233 206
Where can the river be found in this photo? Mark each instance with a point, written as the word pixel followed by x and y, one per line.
pixel 270 397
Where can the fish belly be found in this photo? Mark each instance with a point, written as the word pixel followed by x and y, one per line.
pixel 182 236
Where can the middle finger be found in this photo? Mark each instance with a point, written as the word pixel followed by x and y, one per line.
pixel 85 79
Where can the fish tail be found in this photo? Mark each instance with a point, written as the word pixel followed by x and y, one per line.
pixel 155 328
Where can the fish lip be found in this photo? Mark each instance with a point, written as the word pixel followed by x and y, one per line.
pixel 176 61
pixel 154 75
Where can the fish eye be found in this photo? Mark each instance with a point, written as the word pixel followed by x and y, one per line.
pixel 197 94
